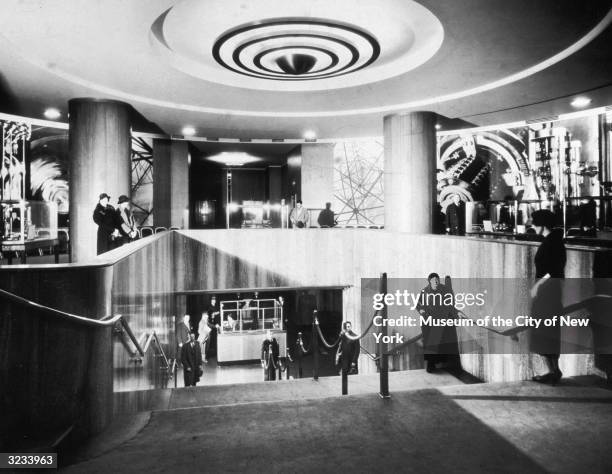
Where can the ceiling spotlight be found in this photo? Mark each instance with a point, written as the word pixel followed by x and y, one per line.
pixel 310 136
pixel 438 126
pixel 52 114
pixel 579 102
pixel 188 131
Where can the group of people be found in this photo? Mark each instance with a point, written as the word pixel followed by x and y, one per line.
pixel 300 217
pixel 116 226
pixel 196 340
pixel 439 343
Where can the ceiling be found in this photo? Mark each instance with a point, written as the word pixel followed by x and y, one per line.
pixel 266 153
pixel 274 69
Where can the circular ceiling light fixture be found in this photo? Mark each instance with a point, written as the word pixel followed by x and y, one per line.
pixel 295 49
pixel 52 113
pixel 279 45
pixel 580 102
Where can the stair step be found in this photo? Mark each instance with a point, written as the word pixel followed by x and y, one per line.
pixel 305 388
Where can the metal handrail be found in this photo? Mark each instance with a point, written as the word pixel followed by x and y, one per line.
pixel 129 332
pixel 153 338
pixel 105 322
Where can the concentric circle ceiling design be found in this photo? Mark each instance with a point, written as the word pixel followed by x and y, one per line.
pixel 282 46
pixel 295 50
pixel 285 66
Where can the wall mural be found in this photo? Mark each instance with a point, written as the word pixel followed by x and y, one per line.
pixel 48 158
pixel 491 165
pixel 13 160
pixel 544 161
pixel 43 152
pixel 358 182
pixel 142 180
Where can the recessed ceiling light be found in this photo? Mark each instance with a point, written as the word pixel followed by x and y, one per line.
pixel 438 126
pixel 580 102
pixel 52 114
pixel 233 158
pixel 188 131
pixel 310 135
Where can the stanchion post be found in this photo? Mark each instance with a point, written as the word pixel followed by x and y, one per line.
pixel 315 346
pixel 299 354
pixel 384 358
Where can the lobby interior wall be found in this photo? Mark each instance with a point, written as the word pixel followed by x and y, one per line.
pixel 55 374
pixel 317 174
pixel 142 292
pixel 341 257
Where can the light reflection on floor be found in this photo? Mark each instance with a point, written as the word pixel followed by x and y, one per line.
pixel 134 379
pixel 226 374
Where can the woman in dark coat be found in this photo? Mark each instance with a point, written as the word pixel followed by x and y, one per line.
pixel 439 342
pixel 546 293
pixel 348 350
pixel 104 215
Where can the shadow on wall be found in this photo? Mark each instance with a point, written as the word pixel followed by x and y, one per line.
pixel 199 266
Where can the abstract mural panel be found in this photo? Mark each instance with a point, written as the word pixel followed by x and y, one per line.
pixel 358 182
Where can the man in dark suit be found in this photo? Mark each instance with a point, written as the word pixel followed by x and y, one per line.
pixel 191 358
pixel 326 217
pixel 455 217
pixel 214 322
pixel 269 357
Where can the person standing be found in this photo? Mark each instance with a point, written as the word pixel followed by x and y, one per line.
pixel 326 217
pixel 104 216
pixel 182 334
pixel 213 321
pixel 299 216
pixel 348 350
pixel 269 356
pixel 439 342
pixel 546 294
pixel 191 358
pixel 455 216
pixel 125 221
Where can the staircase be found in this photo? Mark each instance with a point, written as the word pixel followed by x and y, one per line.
pixel 431 423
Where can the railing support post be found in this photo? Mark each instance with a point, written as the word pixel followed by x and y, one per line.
pixel 315 346
pixel 299 354
pixel 384 358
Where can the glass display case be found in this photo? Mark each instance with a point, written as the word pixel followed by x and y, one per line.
pixel 26 221
pixel 244 326
pixel 504 217
pixel 251 315
pixel 581 218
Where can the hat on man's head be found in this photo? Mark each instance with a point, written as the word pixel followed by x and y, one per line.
pixel 123 198
pixel 102 196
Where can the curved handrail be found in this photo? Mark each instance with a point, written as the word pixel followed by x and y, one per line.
pixel 512 332
pixel 107 321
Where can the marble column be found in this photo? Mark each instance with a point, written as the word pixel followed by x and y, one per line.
pixel 410 172
pixel 99 162
pixel 171 183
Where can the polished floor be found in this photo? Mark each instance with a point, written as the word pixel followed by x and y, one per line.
pixel 135 378
pixel 508 427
